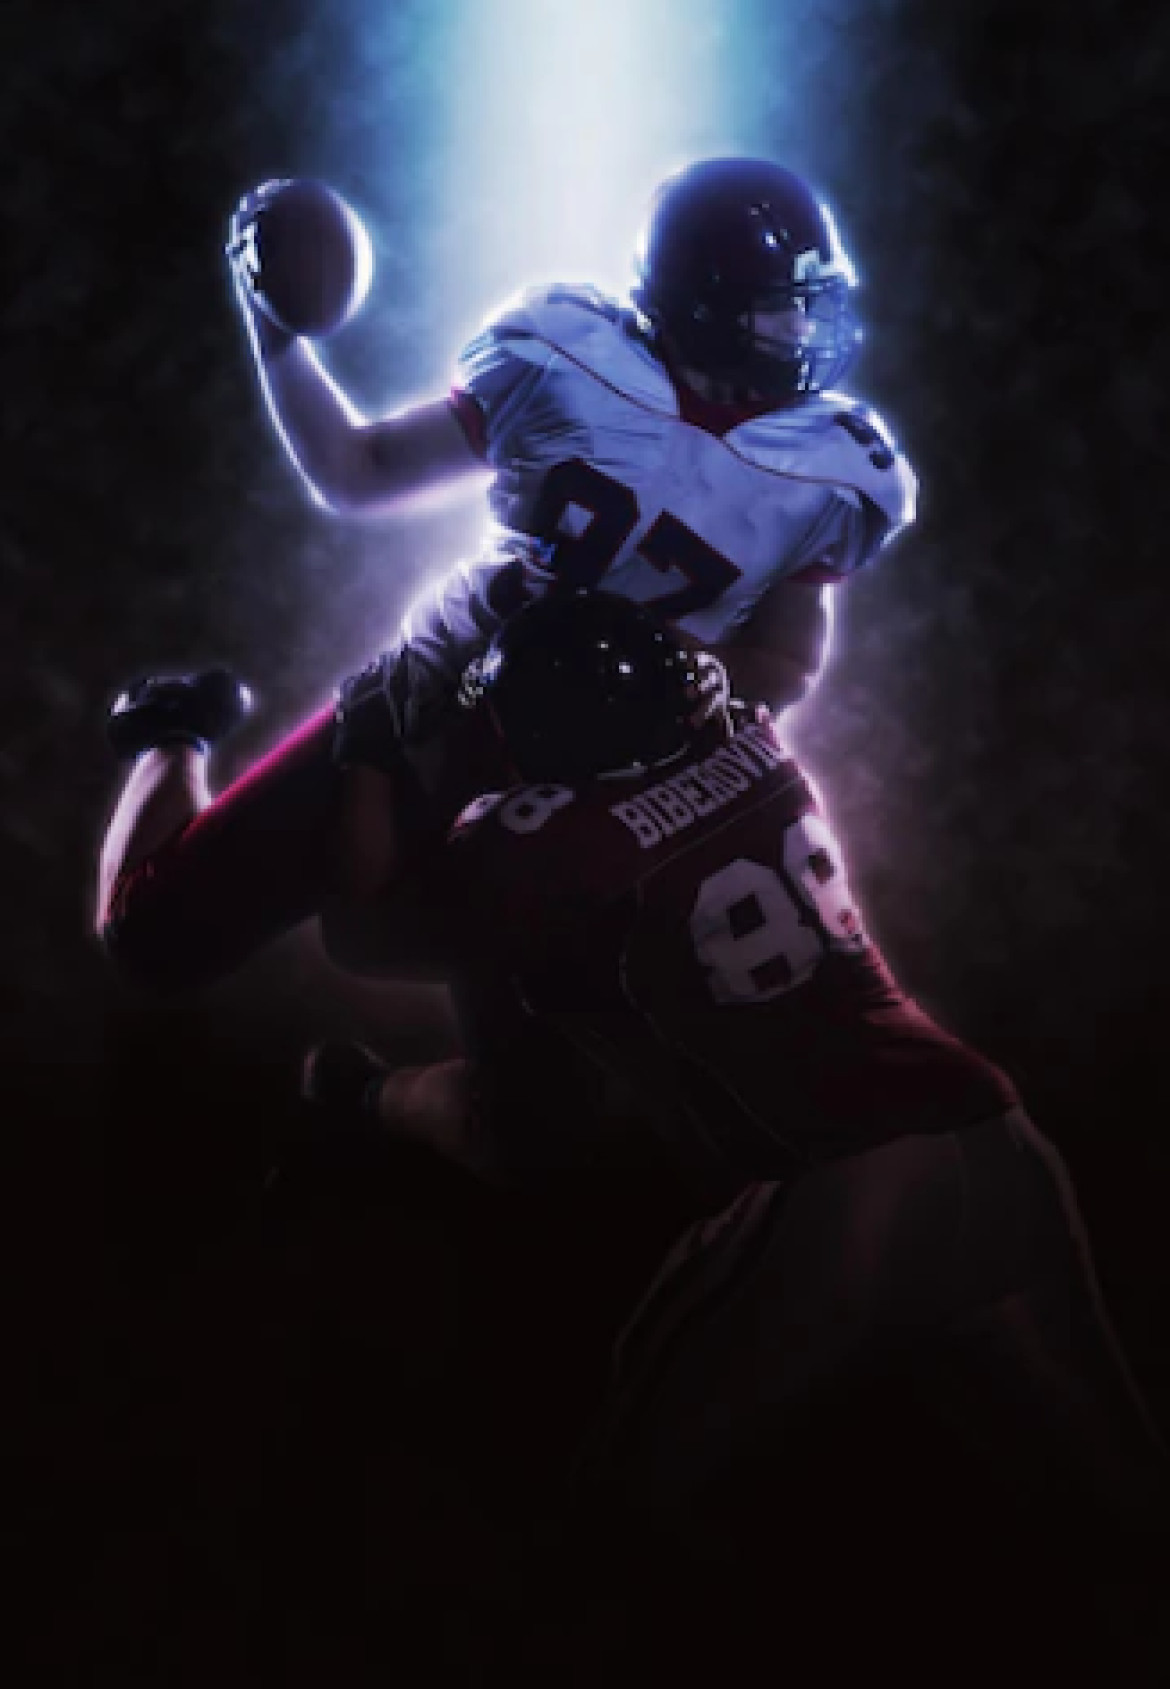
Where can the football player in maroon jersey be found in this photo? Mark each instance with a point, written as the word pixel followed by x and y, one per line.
pixel 669 896
pixel 653 909
pixel 657 940
pixel 665 903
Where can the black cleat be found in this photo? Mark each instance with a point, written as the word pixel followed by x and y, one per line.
pixel 190 709
pixel 343 1080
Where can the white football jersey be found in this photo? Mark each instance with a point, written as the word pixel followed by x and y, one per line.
pixel 600 482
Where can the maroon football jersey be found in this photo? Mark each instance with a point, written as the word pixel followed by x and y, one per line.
pixel 694 930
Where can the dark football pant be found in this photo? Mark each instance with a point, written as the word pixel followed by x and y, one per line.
pixel 247 868
pixel 955 1265
pixel 259 860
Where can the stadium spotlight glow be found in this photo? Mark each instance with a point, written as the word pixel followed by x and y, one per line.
pixel 565 117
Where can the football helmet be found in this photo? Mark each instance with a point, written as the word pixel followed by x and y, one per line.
pixel 582 684
pixel 741 266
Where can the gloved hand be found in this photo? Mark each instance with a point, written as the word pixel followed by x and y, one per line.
pixel 243 256
pixel 714 689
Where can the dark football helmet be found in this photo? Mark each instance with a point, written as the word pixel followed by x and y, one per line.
pixel 582 684
pixel 730 240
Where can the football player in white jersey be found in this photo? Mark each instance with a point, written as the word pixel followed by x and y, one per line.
pixel 685 448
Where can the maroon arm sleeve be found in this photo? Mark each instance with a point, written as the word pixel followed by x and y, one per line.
pixel 471 419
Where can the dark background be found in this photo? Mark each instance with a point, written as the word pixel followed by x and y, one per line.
pixel 208 1306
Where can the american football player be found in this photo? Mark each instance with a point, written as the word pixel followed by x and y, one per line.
pixel 666 891
pixel 686 447
pixel 652 907
pixel 665 902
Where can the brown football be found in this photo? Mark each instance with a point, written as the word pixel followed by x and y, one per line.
pixel 313 259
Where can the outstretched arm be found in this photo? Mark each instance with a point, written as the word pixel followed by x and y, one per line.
pixel 350 464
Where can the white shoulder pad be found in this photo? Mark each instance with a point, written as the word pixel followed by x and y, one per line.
pixel 838 440
pixel 500 369
pixel 562 313
pixel 589 329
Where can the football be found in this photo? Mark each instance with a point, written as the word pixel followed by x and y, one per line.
pixel 306 257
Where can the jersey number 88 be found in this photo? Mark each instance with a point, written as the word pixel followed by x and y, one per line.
pixel 759 933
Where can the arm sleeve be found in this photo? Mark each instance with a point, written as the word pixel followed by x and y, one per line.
pixel 847 535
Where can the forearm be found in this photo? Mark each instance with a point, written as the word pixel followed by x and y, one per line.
pixel 351 465
pixel 315 420
pixel 760 675
pixel 776 655
pixel 191 888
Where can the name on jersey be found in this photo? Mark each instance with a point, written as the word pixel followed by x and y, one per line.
pixel 680 800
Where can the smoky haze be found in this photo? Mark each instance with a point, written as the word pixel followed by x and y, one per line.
pixel 992 734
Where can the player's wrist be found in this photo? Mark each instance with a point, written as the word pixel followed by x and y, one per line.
pixel 269 339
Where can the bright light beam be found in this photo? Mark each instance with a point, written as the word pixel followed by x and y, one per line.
pixel 565 116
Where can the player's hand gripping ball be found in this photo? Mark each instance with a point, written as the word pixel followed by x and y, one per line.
pixel 301 254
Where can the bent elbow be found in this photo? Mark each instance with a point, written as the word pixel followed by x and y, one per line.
pixel 333 483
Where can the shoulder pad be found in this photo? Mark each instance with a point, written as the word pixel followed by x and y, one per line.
pixel 589 328
pixel 835 439
pixel 558 312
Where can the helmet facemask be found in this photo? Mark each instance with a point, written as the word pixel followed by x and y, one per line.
pixel 754 354
pixel 733 241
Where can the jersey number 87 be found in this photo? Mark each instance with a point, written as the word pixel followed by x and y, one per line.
pixel 612 514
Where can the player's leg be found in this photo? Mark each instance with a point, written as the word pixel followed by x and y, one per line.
pixel 165 790
pixel 162 728
pixel 190 885
pixel 1056 1399
pixel 522 1107
pixel 1036 1379
pixel 960 1253
pixel 432 1107
pixel 740 1454
pixel 755 1316
pixel 934 1280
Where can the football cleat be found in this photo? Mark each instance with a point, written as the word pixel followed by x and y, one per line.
pixel 343 1080
pixel 192 709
